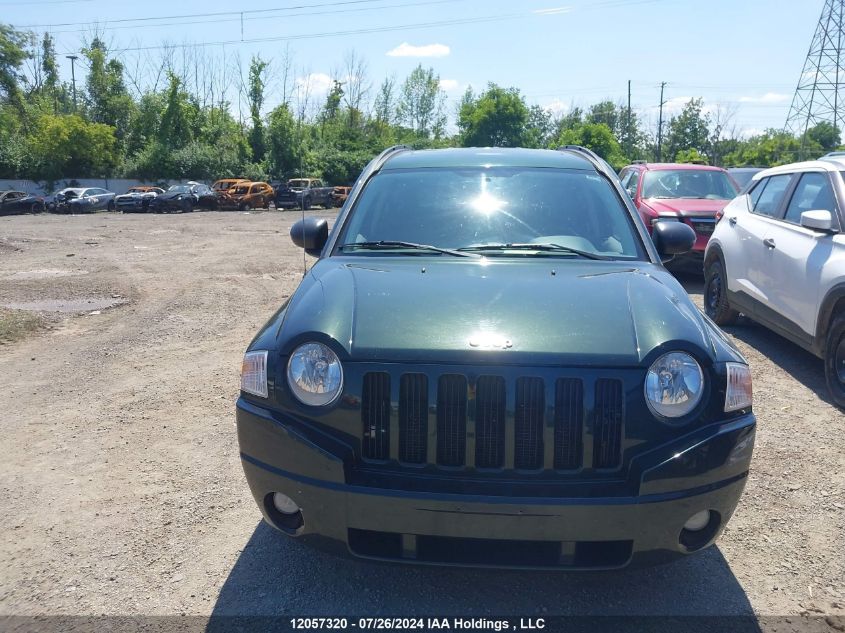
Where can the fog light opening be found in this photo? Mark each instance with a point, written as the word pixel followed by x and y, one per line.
pixel 696 522
pixel 284 504
pixel 283 512
pixel 700 530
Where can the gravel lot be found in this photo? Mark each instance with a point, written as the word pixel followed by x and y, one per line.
pixel 122 493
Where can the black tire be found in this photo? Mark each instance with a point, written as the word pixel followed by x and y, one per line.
pixel 187 206
pixel 110 207
pixel 37 208
pixel 716 304
pixel 246 206
pixel 834 360
pixel 306 204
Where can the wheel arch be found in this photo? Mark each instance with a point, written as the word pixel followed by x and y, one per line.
pixel 832 305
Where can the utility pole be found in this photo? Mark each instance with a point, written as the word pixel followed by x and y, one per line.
pixel 73 59
pixel 660 125
pixel 628 125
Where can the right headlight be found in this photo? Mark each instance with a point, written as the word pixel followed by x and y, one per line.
pixel 315 375
pixel 674 385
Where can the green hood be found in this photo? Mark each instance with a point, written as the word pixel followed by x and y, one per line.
pixel 546 311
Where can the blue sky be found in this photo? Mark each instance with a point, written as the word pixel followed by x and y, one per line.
pixel 746 55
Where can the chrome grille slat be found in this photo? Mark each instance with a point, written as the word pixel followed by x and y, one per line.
pixel 569 419
pixel 528 423
pixel 490 422
pixel 451 420
pixel 413 418
pixel 375 415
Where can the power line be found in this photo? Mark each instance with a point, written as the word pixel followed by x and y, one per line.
pixel 234 17
pixel 199 15
pixel 308 36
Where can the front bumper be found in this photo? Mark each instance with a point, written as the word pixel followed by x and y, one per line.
pixel 705 470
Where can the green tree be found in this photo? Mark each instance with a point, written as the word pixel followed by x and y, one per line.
pixel 597 137
pixel 255 96
pixel 689 130
pixel 539 128
pixel 174 130
pixel 281 133
pixel 107 99
pixel 67 145
pixel 497 118
pixel 772 148
pixel 826 135
pixel 421 103
pixel 13 53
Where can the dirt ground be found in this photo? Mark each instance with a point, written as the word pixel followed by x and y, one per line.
pixel 121 490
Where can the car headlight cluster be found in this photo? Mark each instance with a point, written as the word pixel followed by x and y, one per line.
pixel 674 385
pixel 315 375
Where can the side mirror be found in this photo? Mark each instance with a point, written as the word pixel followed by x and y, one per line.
pixel 672 238
pixel 817 220
pixel 310 234
pixel 632 191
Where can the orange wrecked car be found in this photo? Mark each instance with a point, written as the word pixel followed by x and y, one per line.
pixel 248 195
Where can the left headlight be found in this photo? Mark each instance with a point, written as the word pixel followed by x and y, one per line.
pixel 315 374
pixel 254 373
pixel 674 385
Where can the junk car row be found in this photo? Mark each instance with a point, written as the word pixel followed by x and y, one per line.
pixel 228 193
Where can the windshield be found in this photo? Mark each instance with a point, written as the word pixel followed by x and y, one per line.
pixel 297 184
pixel 688 183
pixel 179 189
pixel 470 208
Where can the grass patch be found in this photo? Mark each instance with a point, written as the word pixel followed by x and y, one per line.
pixel 17 324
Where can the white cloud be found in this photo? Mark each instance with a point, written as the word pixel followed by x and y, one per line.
pixel 315 83
pixel 449 85
pixel 769 97
pixel 556 107
pixel 748 132
pixel 427 50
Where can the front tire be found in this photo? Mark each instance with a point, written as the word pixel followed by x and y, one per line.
pixel 110 206
pixel 716 304
pixel 834 360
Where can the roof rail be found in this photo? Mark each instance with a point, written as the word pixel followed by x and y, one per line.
pixel 381 159
pixel 597 161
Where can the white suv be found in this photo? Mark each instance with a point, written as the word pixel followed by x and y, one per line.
pixel 778 256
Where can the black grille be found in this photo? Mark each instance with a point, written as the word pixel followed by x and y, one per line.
pixel 375 416
pixel 413 418
pixel 569 417
pixel 490 422
pixel 608 424
pixel 451 420
pixel 528 422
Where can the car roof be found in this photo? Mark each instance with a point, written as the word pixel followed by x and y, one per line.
pixel 676 166
pixel 487 157
pixel 833 163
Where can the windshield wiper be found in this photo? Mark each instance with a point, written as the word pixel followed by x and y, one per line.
pixel 385 244
pixel 533 247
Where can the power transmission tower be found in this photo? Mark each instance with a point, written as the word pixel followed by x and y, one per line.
pixel 820 95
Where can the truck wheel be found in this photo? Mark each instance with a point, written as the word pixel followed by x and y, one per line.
pixel 716 295
pixel 834 360
pixel 306 204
